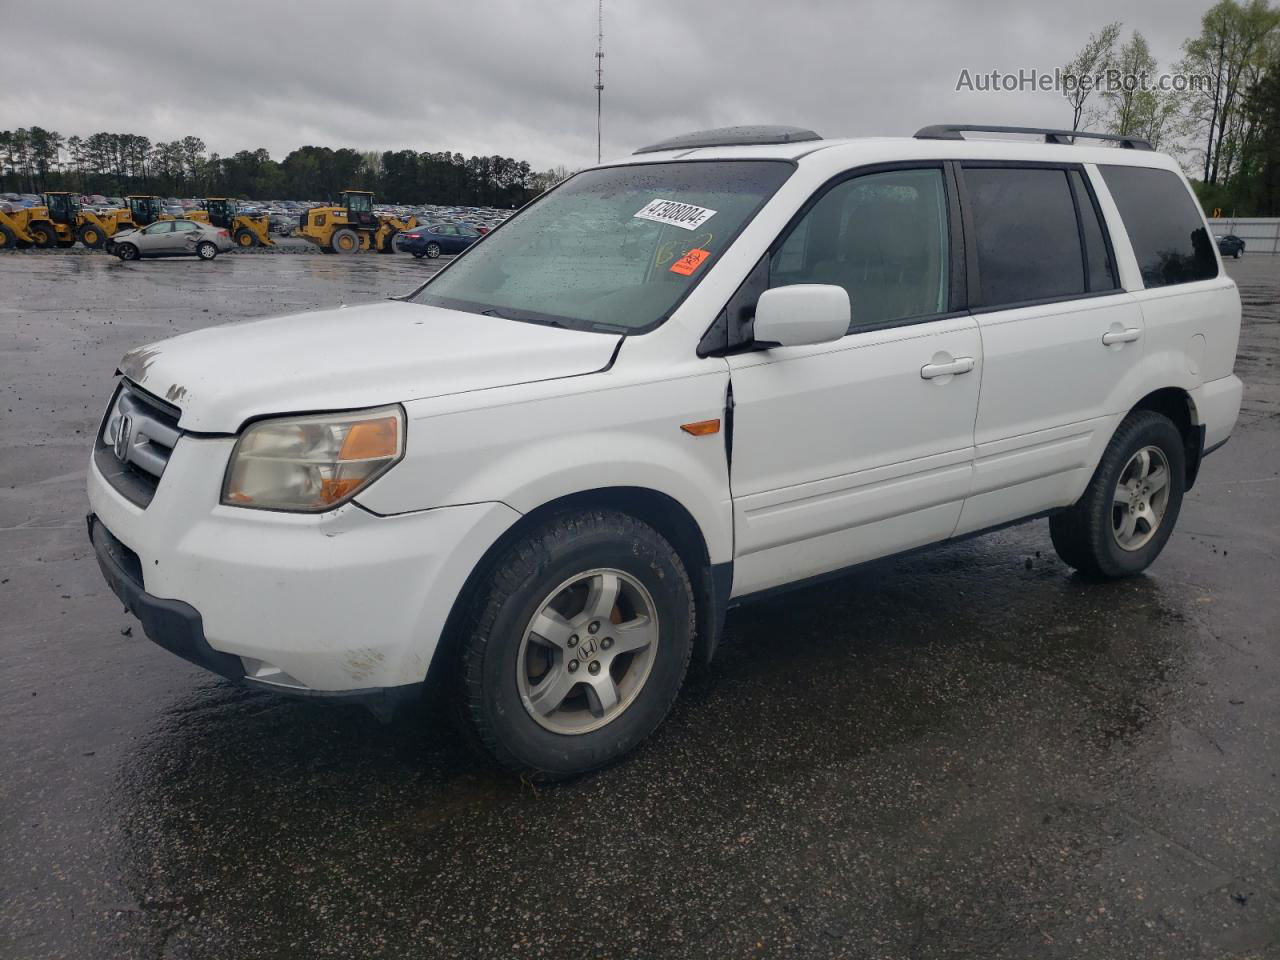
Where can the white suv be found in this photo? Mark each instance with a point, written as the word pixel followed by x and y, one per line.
pixel 739 361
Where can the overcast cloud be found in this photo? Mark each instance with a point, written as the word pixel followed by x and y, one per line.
pixel 514 77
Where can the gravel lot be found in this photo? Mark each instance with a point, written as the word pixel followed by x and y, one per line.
pixel 965 753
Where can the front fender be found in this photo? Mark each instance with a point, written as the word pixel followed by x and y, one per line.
pixel 526 446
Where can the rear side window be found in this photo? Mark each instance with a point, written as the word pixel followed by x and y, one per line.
pixel 1029 246
pixel 1164 225
pixel 1101 274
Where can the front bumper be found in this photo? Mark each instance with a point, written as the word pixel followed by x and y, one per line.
pixel 342 603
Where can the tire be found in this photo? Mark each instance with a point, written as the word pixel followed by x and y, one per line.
pixel 1236 255
pixel 7 239
pixel 576 552
pixel 389 244
pixel 44 235
pixel 206 250
pixel 125 251
pixel 1089 536
pixel 345 241
pixel 433 250
pixel 245 238
pixel 92 237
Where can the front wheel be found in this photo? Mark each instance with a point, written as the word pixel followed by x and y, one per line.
pixel 92 237
pixel 578 644
pixel 246 238
pixel 206 250
pixel 125 251
pixel 1128 511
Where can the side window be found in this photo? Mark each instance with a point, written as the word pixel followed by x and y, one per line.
pixel 1164 225
pixel 184 226
pixel 1027 239
pixel 164 226
pixel 883 237
pixel 1101 274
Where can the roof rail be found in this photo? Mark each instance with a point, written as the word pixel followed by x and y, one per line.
pixel 732 137
pixel 951 131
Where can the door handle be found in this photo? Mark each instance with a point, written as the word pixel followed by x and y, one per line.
pixel 1121 336
pixel 950 368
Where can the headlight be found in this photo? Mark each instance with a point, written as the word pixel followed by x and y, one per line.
pixel 312 464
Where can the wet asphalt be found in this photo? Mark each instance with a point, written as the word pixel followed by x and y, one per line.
pixel 969 752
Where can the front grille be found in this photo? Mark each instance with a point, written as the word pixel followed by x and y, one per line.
pixel 135 443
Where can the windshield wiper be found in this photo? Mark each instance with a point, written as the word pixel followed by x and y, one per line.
pixel 543 322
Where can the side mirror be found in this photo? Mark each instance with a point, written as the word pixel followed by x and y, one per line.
pixel 802 314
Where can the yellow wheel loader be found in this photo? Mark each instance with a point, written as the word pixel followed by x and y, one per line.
pixel 245 230
pixel 351 225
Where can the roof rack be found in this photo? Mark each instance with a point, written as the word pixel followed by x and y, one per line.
pixel 732 137
pixel 951 131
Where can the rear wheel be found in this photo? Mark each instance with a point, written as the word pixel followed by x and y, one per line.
pixel 433 250
pixel 91 236
pixel 1128 511
pixel 246 238
pixel 44 235
pixel 345 241
pixel 578 644
pixel 125 251
pixel 206 250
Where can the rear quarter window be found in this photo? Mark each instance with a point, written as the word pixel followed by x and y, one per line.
pixel 1164 225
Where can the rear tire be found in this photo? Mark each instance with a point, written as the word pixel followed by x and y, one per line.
pixel 206 250
pixel 433 250
pixel 345 241
pixel 1127 513
pixel 7 239
pixel 625 603
pixel 44 235
pixel 125 251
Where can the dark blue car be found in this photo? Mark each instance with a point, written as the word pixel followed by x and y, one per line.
pixel 437 238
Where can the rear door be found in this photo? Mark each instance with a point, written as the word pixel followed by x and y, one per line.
pixel 1059 336
pixel 850 450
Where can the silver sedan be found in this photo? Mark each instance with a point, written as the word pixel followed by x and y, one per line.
pixel 172 238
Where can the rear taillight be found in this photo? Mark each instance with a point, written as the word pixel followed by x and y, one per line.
pixel 413 236
pixel 223 233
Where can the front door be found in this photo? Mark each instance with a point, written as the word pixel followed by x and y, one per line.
pixel 863 447
pixel 1058 337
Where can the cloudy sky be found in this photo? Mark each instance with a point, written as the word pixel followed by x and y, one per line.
pixel 514 77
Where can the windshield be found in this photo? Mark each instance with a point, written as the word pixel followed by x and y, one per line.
pixel 359 202
pixel 615 248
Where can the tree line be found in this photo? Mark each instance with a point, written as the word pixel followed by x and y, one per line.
pixel 1225 129
pixel 35 159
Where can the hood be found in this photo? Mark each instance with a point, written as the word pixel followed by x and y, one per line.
pixel 353 357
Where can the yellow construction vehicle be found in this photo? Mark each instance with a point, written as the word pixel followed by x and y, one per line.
pixel 351 225
pixel 95 229
pixel 60 222
pixel 245 230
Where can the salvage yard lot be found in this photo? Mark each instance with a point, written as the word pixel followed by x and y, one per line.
pixel 967 752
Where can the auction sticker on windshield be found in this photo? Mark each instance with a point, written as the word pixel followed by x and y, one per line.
pixel 675 214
